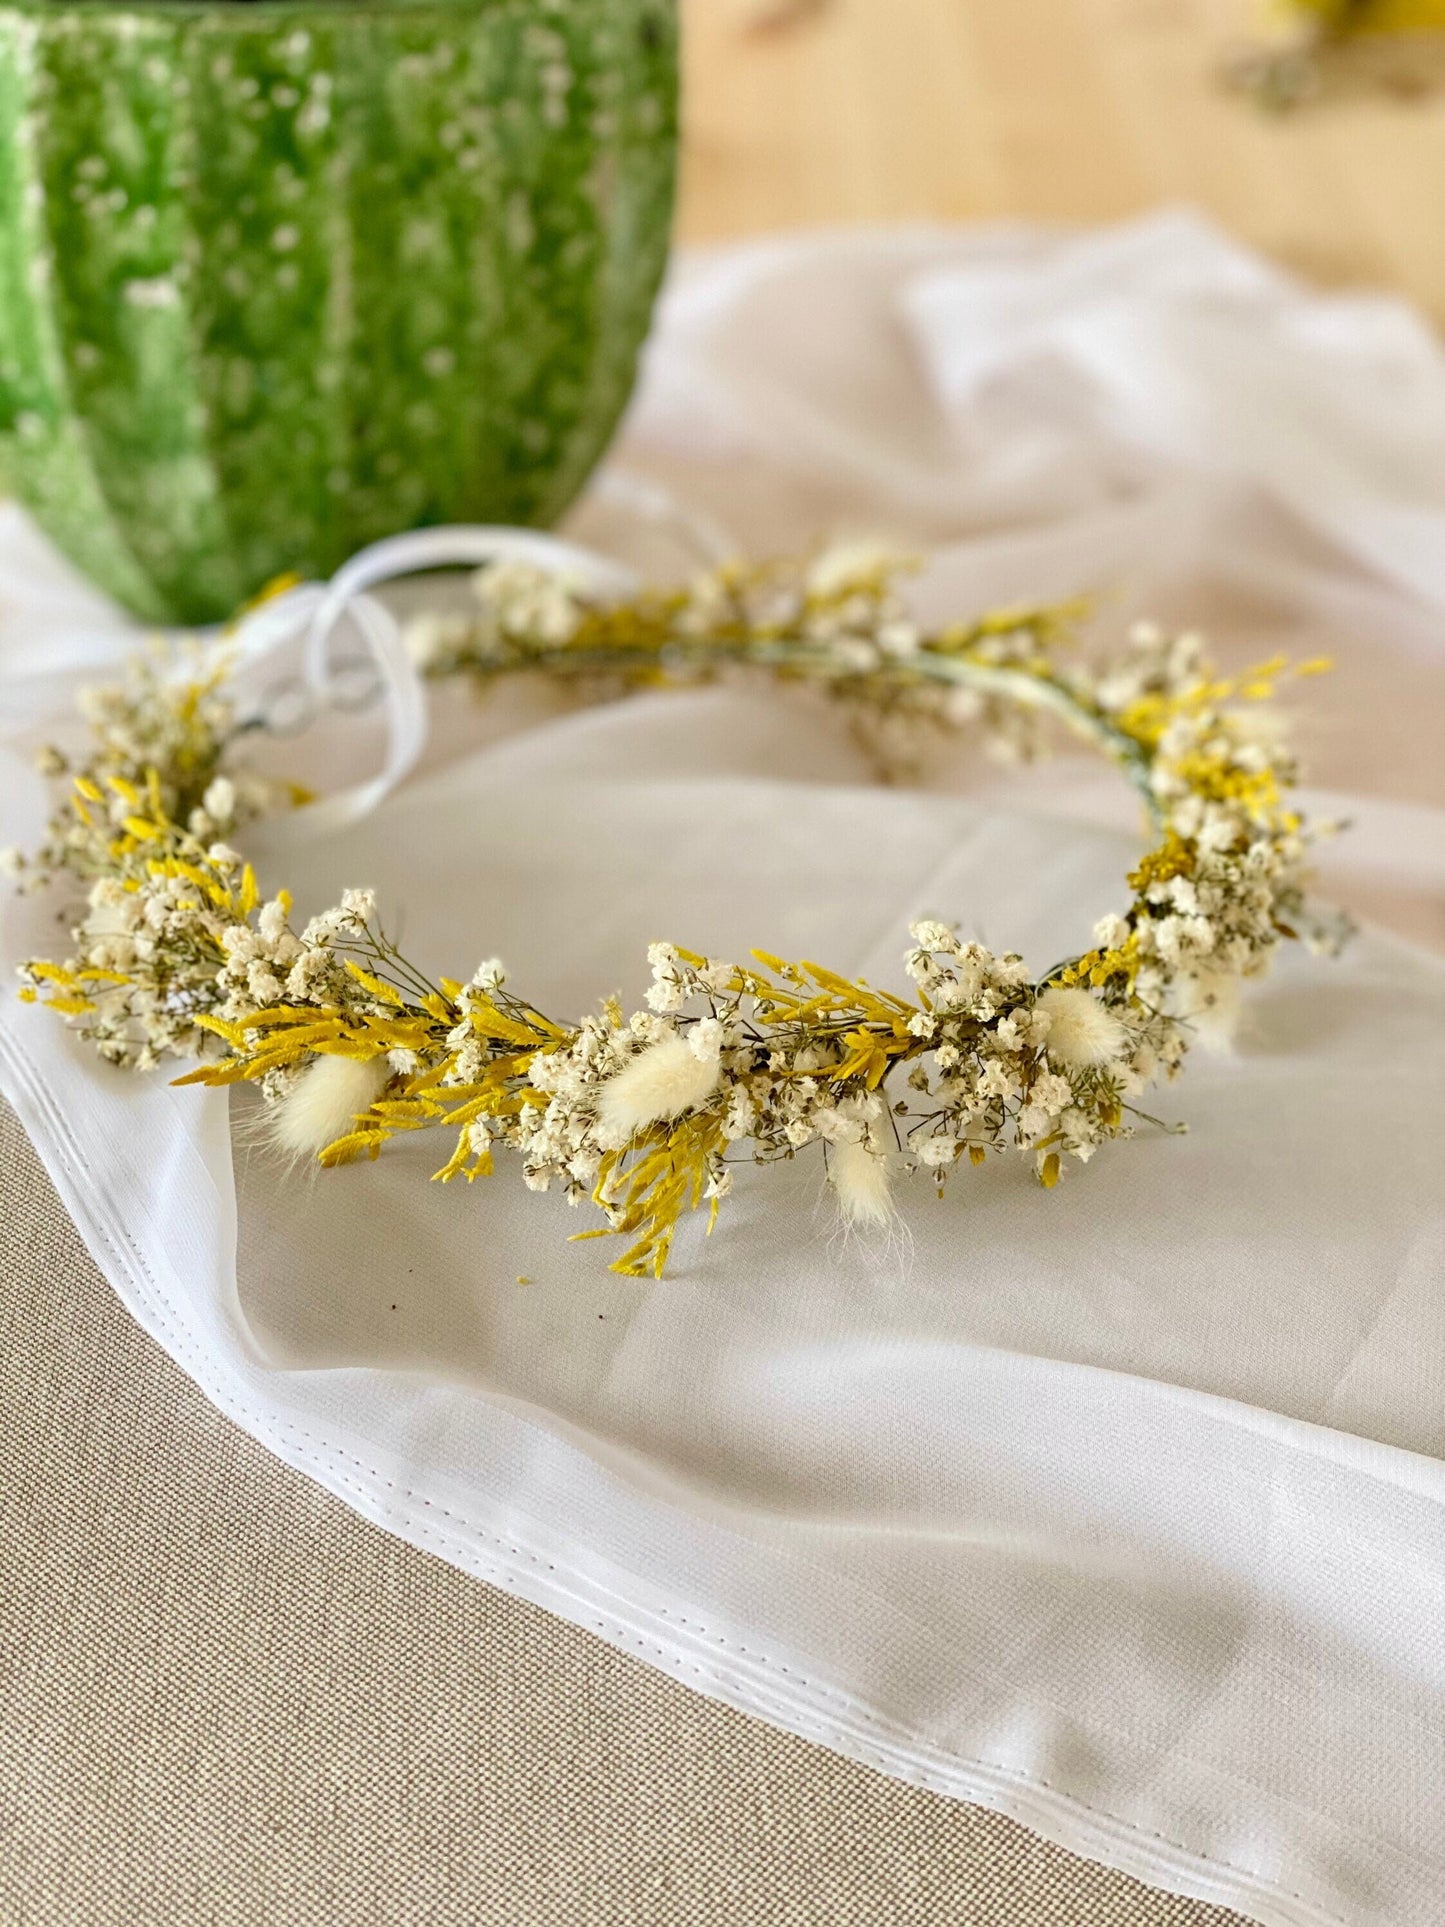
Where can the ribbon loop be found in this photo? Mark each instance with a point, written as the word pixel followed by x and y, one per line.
pixel 314 612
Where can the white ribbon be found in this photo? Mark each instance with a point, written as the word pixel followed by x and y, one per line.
pixel 651 502
pixel 311 614
pixel 314 611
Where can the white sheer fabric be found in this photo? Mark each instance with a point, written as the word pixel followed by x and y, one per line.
pixel 1122 1508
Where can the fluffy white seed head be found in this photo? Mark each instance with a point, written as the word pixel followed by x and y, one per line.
pixel 848 566
pixel 664 1080
pixel 324 1102
pixel 1212 1004
pixel 861 1180
pixel 1083 1033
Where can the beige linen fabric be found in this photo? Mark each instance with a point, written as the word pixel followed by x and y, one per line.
pixel 227 1701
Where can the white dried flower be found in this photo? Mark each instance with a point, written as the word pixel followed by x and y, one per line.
pixel 528 602
pixel 238 940
pixel 861 1179
pixel 665 1080
pixel 848 567
pixel 836 1126
pixel 324 1103
pixel 307 974
pixel 1008 1032
pixel 262 983
pixel 1083 1033
pixel 271 921
pixel 899 638
pixel 1051 1093
pixel 1212 1005
pixel 742 1115
pixel 935 1152
pixel 996 1079
pixel 219 801
pixel 705 1039
pixel 929 934
pixel 433 638
pixel 1110 931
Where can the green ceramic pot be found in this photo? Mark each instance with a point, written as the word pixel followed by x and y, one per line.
pixel 279 277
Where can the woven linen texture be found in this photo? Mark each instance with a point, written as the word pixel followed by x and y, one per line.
pixel 227 1699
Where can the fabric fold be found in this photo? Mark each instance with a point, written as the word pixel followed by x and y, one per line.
pixel 1119 1508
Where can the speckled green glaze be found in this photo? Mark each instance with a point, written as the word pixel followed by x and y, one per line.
pixel 278 279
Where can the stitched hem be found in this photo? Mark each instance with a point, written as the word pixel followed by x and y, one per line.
pixel 697 1656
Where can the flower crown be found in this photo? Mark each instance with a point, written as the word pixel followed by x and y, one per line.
pixel 647 1115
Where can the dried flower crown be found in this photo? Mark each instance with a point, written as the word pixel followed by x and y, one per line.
pixel 647 1115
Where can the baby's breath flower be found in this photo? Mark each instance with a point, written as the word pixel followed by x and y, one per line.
pixel 935 1152
pixel 219 801
pixel 176 953
pixel 867 564
pixel 434 640
pixel 932 935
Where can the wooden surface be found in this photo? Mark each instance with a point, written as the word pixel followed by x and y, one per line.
pixel 1060 110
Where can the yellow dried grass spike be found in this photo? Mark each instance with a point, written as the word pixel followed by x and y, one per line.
pixel 388 993
pixel 355 1144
